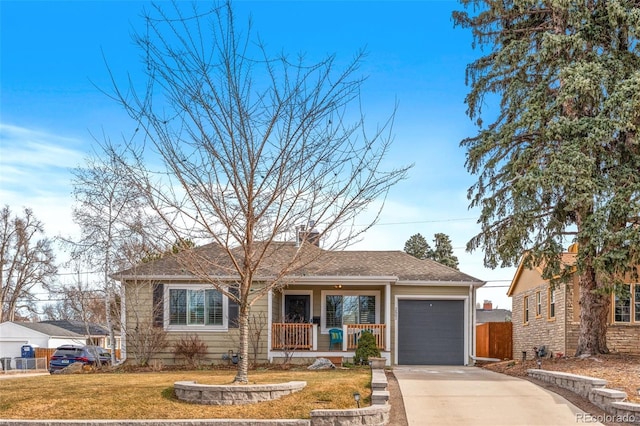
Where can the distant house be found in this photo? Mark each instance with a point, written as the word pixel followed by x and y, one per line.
pixel 420 311
pixel 488 314
pixel 548 317
pixel 49 334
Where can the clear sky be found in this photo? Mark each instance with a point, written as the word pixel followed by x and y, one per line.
pixel 52 68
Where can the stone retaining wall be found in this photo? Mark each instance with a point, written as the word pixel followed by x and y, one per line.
pixel 610 400
pixel 233 395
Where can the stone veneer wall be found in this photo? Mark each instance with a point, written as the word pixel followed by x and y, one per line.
pixel 539 331
pixel 624 338
pixel 562 334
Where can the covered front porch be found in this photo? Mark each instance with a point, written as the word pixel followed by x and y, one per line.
pixel 319 320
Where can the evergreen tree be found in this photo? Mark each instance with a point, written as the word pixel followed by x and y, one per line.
pixel 560 158
pixel 417 246
pixel 443 252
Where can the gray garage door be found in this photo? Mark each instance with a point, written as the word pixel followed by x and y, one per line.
pixel 431 332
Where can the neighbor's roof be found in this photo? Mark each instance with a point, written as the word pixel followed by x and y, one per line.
pixel 312 261
pixel 48 329
pixel 79 327
pixel 492 315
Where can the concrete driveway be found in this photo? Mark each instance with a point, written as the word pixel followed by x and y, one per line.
pixel 451 395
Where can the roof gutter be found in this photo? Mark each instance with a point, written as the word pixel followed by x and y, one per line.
pixel 475 284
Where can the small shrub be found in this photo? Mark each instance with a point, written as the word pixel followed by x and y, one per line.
pixel 366 348
pixel 192 349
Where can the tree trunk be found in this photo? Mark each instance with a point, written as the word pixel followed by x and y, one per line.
pixel 242 376
pixel 594 311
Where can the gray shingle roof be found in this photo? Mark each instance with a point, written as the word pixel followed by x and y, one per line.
pixel 313 261
pixel 79 327
pixel 48 329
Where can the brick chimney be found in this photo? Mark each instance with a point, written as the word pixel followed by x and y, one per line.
pixel 487 305
pixel 308 233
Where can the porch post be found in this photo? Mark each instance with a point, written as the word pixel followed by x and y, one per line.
pixel 315 337
pixel 387 317
pixel 345 337
pixel 269 322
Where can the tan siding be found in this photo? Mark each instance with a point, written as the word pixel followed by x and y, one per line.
pixel 138 299
pixel 219 343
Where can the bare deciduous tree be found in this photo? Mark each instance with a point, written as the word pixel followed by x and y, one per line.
pixel 108 212
pixel 249 147
pixel 26 261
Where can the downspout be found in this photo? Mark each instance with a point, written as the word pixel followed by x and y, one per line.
pixel 472 349
pixel 123 324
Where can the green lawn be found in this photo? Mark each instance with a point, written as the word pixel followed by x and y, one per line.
pixel 150 395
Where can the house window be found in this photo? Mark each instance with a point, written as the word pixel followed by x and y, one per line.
pixel 339 308
pixel 636 302
pixel 195 306
pixel 552 304
pixel 538 304
pixel 526 309
pixel 626 307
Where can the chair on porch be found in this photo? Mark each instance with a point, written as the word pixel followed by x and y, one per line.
pixel 335 338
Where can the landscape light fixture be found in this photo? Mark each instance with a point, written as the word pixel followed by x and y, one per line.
pixel 539 361
pixel 356 396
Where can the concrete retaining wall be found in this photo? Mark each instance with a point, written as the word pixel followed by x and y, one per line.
pixel 610 400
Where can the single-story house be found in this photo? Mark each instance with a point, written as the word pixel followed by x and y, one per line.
pixel 48 334
pixel 550 317
pixel 420 311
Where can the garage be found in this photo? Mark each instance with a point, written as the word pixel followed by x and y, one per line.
pixel 431 332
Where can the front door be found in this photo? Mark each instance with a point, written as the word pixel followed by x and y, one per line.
pixel 297 308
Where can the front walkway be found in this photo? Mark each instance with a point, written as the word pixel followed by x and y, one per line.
pixel 470 396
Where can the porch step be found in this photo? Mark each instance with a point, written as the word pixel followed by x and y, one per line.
pixel 336 360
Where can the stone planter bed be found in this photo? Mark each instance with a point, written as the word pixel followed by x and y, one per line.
pixel 190 391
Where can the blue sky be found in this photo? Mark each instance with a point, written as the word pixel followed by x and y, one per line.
pixel 52 67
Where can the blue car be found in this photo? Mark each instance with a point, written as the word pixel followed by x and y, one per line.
pixel 66 355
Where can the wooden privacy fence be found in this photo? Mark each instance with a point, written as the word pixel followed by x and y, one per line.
pixel 494 340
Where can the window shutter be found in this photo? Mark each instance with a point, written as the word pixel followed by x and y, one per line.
pixel 234 309
pixel 158 305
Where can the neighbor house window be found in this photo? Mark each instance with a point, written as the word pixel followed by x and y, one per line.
pixel 341 308
pixel 526 309
pixel 626 307
pixel 195 307
pixel 551 297
pixel 538 304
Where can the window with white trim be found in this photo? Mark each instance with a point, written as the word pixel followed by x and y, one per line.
pixel 349 307
pixel 193 306
pixel 626 304
pixel 552 304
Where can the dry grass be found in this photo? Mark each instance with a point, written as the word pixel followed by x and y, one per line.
pixel 150 395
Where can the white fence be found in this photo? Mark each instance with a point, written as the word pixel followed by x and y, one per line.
pixel 22 365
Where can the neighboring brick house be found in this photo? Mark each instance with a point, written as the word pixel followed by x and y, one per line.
pixel 548 317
